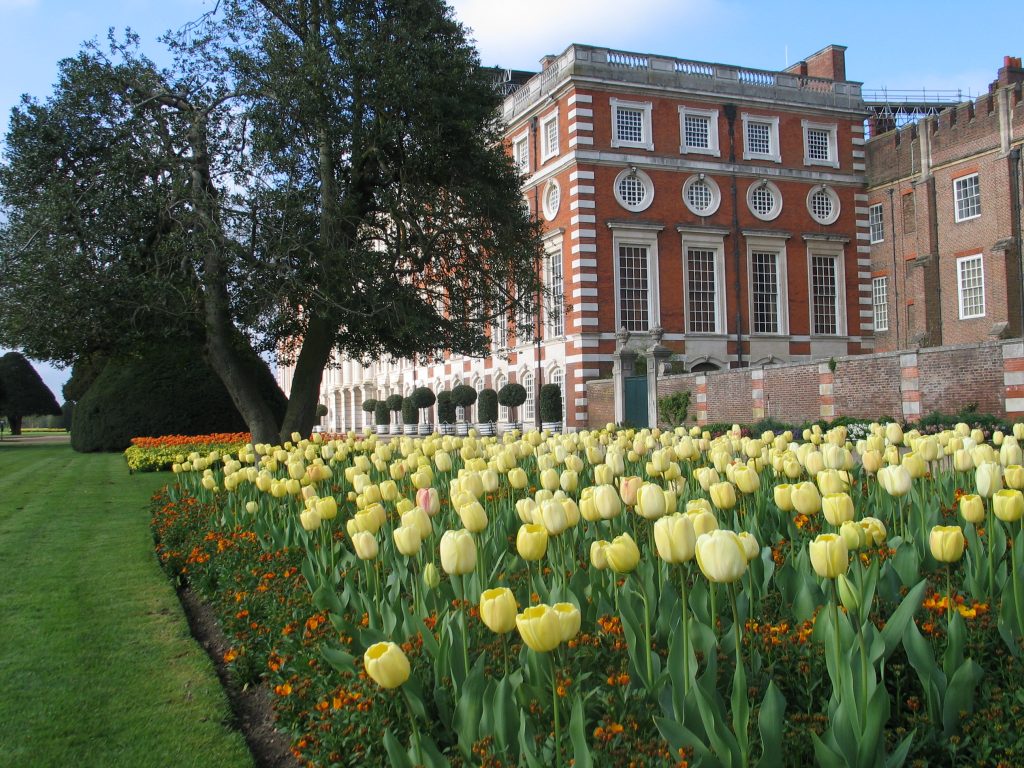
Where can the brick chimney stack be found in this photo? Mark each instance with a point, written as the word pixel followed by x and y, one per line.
pixel 1010 72
pixel 829 63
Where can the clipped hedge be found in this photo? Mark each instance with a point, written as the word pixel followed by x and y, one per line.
pixel 169 390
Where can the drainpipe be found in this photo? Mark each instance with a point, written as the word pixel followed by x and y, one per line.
pixel 534 122
pixel 895 282
pixel 1015 163
pixel 730 116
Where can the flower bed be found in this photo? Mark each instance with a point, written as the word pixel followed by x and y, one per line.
pixel 619 598
pixel 155 454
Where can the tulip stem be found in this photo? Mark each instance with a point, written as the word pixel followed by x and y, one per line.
pixel 686 631
pixel 989 522
pixel 838 642
pixel 554 707
pixel 415 729
pixel 737 629
pixel 1018 608
pixel 647 638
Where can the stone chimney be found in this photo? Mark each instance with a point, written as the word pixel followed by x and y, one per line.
pixel 547 61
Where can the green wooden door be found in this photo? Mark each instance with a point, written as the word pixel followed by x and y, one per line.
pixel 636 401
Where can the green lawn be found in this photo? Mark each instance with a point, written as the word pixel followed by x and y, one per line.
pixel 97 667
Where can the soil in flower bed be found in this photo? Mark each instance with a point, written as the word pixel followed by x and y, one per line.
pixel 253 713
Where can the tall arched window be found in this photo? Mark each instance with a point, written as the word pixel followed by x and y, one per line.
pixel 500 381
pixel 557 376
pixel 528 385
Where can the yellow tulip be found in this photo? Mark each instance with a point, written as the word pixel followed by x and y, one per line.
pixel 706 476
pixel 599 554
pixel 431 578
pixel 805 498
pixel 540 628
pixel 783 499
pixel 747 480
pixel 568 620
pixel 554 517
pixel 458 552
pixel 386 664
pixel 853 534
pixel 1013 475
pixel 721 556
pixel 972 509
pixel 498 609
pixel 310 520
pixel 473 517
pixel 607 502
pixel 327 508
pixel 946 543
pixel 837 508
pixel 750 546
pixel 407 540
pixel 914 464
pixel 894 433
pixel 874 530
pixel 723 495
pixel 628 488
pixel 623 554
pixel 962 460
pixel 443 461
pixel 365 545
pixel 675 539
pixel 650 501
pixel 896 480
pixel 988 478
pixel 1008 505
pixel 829 555
pixel 532 541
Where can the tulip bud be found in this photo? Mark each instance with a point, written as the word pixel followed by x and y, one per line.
pixel 431 578
pixel 848 594
pixel 650 501
pixel 893 433
pixel 365 545
pixel 407 540
pixel 972 509
pixel 473 517
pixel 988 478
pixel 386 664
pixel 837 508
pixel 805 498
pixel 747 480
pixel 540 628
pixel 946 543
pixel 458 552
pixel 498 610
pixel 853 534
pixel 675 539
pixel 721 556
pixel 310 519
pixel 895 480
pixel 553 516
pixel 783 499
pixel 914 464
pixel 723 495
pixel 750 546
pixel 569 620
pixel 1008 505
pixel 622 554
pixel 327 508
pixel 532 541
pixel 599 554
pixel 829 555
pixel 1013 476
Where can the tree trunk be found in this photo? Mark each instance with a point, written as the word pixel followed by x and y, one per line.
pixel 309 371
pixel 15 424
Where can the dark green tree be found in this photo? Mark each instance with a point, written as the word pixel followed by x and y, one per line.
pixel 307 177
pixel 22 392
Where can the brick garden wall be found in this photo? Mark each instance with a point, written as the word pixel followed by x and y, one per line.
pixel 902 385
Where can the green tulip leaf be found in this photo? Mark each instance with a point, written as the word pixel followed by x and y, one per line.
pixel 339 659
pixel 899 755
pixel 399 757
pixel 505 715
pixel 826 756
pixel 896 626
pixel 740 706
pixel 771 721
pixel 469 707
pixel 525 749
pixel 578 735
pixel 680 737
pixel 326 599
pixel 432 756
pixel 960 696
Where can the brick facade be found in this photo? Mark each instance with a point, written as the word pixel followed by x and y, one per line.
pixel 913 174
pixel 900 385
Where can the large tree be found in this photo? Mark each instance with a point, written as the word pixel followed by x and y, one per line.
pixel 308 176
pixel 22 392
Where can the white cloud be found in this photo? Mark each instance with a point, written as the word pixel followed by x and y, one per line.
pixel 517 33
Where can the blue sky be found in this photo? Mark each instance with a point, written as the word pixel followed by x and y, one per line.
pixel 897 45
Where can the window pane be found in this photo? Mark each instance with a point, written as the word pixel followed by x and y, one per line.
pixel 632 190
pixel 766 292
pixel 821 205
pixel 522 155
pixel 824 295
pixel 972 287
pixel 527 409
pixel 551 137
pixel 880 301
pixel 759 138
pixel 697 131
pixel 633 308
pixel 818 144
pixel 629 125
pixel 763 200
pixel 968 197
pixel 699 195
pixel 700 276
pixel 556 311
pixel 875 223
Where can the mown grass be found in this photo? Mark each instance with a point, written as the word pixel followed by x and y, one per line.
pixel 97 666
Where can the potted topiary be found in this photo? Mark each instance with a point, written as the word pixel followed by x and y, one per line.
pixel 551 408
pixel 394 404
pixel 410 415
pixel 424 399
pixel 463 397
pixel 368 406
pixel 446 412
pixel 382 417
pixel 487 411
pixel 512 396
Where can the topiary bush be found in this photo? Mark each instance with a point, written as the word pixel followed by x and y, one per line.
pixel 487 406
pixel 445 407
pixel 381 413
pixel 512 395
pixel 423 397
pixel 550 402
pixel 168 390
pixel 394 403
pixel 410 413
pixel 369 405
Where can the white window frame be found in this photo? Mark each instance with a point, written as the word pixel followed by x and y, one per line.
pixel 526 410
pixel 644 179
pixel 522 163
pixel 554 309
pixel 551 211
pixel 645 108
pixel 833 143
pixel 712 117
pixel 880 302
pixel 876 224
pixel 706 241
pixel 769 244
pixel 836 251
pixel 716 195
pixel 962 264
pixel 546 151
pixel 832 196
pixel 500 380
pixel 773 154
pixel 776 193
pixel 957 200
pixel 638 235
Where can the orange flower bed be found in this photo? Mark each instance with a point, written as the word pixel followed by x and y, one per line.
pixel 192 441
